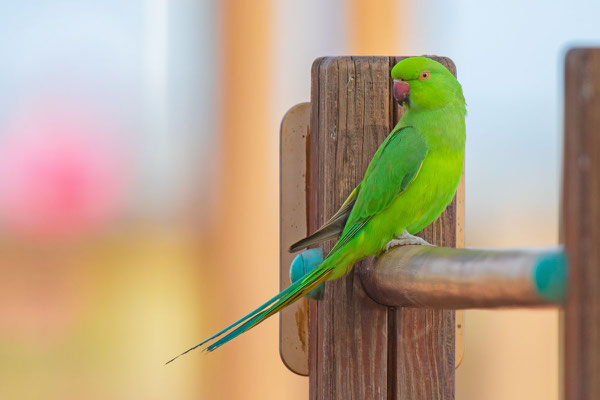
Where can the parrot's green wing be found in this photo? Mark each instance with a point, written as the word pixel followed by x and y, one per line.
pixel 393 167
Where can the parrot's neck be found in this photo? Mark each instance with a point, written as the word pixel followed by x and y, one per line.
pixel 441 127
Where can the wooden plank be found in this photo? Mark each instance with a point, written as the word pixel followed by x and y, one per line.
pixel 424 339
pixel 350 335
pixel 351 113
pixel 581 223
pixel 459 316
pixel 459 337
pixel 293 320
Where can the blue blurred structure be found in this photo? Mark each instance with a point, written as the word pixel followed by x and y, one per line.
pixel 302 264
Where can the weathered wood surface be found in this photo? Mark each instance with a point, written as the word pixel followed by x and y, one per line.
pixel 293 320
pixel 445 278
pixel 581 223
pixel 360 349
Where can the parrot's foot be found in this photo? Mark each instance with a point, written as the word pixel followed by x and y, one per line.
pixel 406 239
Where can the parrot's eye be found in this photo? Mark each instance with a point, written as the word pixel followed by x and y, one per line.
pixel 424 76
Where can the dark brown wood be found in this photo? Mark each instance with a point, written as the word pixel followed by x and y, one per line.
pixel 424 339
pixel 360 349
pixel 581 223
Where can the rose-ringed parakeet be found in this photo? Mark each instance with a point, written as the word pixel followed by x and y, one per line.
pixel 409 182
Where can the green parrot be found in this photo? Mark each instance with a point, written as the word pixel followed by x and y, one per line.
pixel 409 182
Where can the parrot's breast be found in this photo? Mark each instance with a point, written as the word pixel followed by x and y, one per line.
pixel 422 203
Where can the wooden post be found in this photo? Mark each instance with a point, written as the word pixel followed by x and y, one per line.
pixel 581 223
pixel 360 349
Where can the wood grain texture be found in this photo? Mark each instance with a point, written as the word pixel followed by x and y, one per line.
pixel 450 279
pixel 459 315
pixel 360 349
pixel 581 223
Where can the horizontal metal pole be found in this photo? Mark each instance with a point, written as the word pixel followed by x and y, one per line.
pixel 435 277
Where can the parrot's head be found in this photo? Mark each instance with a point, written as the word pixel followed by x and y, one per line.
pixel 423 83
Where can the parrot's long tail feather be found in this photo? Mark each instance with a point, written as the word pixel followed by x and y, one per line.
pixel 236 323
pixel 286 297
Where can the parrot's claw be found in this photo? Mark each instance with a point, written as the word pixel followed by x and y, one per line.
pixel 406 239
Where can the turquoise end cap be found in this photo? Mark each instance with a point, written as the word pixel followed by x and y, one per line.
pixel 550 276
pixel 304 263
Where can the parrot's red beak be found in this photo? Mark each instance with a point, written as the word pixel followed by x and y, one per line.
pixel 401 90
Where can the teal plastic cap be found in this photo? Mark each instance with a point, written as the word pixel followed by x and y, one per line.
pixel 304 263
pixel 550 276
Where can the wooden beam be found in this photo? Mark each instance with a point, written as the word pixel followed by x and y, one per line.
pixel 581 223
pixel 360 349
pixel 426 276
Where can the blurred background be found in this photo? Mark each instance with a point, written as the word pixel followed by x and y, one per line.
pixel 139 181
